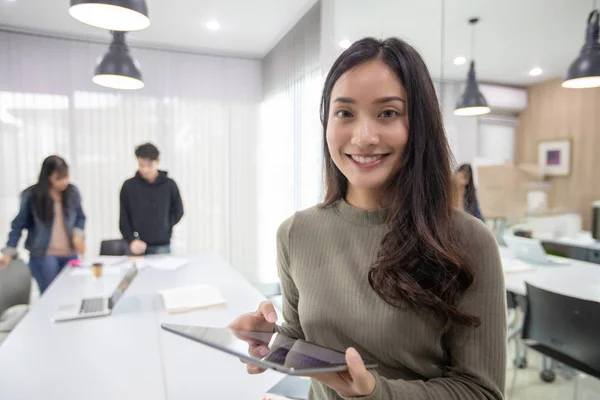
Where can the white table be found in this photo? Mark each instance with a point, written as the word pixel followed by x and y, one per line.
pixel 127 355
pixel 576 279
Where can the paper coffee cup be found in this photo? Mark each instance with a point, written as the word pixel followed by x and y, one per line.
pixel 97 270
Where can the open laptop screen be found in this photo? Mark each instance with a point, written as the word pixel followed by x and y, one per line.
pixel 123 285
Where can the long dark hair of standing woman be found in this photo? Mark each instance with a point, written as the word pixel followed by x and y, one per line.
pixel 44 206
pixel 470 196
pixel 419 261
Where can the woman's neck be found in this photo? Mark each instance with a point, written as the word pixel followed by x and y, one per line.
pixel 55 194
pixel 365 199
pixel 459 197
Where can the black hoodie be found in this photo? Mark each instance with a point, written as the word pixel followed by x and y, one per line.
pixel 150 209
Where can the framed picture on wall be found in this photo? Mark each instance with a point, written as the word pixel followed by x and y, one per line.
pixel 554 157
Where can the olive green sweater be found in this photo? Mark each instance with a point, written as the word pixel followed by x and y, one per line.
pixel 324 255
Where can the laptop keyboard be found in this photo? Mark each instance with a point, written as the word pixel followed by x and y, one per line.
pixel 92 305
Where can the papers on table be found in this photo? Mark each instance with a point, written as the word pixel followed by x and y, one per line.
pixel 107 261
pixel 88 271
pixel 514 265
pixel 167 263
pixel 189 298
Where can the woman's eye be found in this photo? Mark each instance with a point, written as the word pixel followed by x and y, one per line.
pixel 343 114
pixel 388 114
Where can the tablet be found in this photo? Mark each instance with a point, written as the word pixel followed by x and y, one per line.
pixel 287 355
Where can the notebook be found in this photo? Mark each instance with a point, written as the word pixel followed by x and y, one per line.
pixel 289 388
pixel 187 298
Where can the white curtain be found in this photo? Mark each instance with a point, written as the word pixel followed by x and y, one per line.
pixel 201 112
pixel 290 135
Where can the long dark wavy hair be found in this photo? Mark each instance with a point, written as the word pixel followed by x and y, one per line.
pixel 44 206
pixel 419 261
pixel 470 197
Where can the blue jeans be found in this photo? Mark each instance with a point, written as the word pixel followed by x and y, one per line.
pixel 45 269
pixel 166 249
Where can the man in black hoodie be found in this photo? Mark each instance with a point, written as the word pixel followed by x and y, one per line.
pixel 150 205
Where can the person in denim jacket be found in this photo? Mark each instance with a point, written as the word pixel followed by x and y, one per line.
pixel 466 195
pixel 52 214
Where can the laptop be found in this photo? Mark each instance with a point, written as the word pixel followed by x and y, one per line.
pixel 531 250
pixel 95 306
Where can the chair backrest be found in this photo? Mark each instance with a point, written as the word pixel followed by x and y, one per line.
pixel 511 301
pixel 15 285
pixel 568 326
pixel 114 247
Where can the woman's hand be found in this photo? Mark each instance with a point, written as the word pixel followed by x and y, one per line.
pixel 261 320
pixel 79 245
pixel 355 382
pixel 4 261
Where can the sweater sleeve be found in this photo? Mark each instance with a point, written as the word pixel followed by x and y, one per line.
pixel 477 355
pixel 125 224
pixel 176 210
pixel 289 291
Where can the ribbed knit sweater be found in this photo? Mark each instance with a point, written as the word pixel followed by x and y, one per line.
pixel 324 255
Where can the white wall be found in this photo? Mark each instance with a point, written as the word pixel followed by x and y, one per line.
pixel 490 137
pixel 496 139
pixel 461 131
pixel 290 135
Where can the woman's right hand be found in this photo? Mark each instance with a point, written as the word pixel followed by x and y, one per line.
pixel 4 261
pixel 261 320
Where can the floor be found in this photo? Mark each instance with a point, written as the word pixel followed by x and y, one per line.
pixel 529 386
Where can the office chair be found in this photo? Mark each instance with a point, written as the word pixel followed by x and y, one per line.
pixel 114 247
pixel 564 329
pixel 15 288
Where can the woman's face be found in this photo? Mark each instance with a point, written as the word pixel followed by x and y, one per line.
pixel 59 182
pixel 367 127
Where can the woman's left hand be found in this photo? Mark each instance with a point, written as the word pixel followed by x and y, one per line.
pixel 79 244
pixel 355 382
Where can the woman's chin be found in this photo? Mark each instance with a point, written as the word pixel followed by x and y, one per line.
pixel 374 185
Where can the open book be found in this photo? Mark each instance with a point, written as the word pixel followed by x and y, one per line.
pixel 189 298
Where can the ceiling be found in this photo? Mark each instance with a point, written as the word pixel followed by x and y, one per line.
pixel 512 36
pixel 248 28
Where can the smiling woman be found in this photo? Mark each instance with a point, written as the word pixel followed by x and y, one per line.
pixel 386 267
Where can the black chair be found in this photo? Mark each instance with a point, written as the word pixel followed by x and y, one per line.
pixel 563 328
pixel 114 247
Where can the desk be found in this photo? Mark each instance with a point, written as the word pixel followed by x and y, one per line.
pixel 582 247
pixel 576 279
pixel 127 355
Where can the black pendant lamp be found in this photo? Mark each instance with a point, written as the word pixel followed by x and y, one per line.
pixel 585 70
pixel 113 15
pixel 472 102
pixel 117 69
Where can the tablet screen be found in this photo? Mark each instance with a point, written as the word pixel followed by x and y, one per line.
pixel 285 352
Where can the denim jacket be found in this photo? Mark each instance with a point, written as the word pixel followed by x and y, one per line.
pixel 476 211
pixel 38 234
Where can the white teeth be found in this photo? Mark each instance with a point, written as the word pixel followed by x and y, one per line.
pixel 366 160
